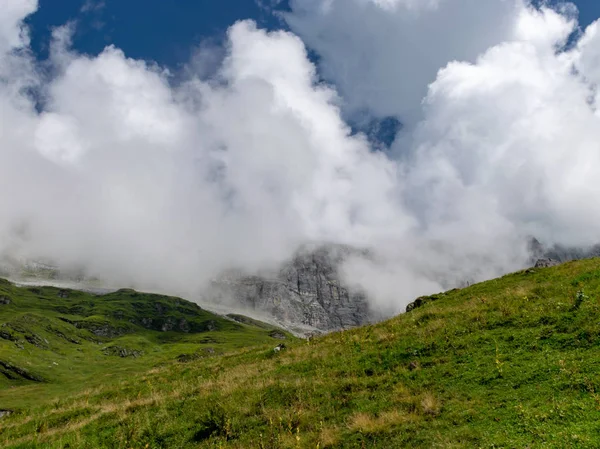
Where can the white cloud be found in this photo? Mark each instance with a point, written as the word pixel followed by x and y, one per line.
pixel 505 144
pixel 163 185
pixel 588 60
pixel 382 54
pixel 159 185
pixel 93 6
pixel 12 33
pixel 411 5
pixel 512 138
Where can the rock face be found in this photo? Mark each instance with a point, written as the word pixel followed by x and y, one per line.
pixel 565 254
pixel 558 254
pixel 14 372
pixel 122 352
pixel 99 329
pixel 546 263
pixel 306 292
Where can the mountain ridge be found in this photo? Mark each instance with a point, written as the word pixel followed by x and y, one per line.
pixel 305 295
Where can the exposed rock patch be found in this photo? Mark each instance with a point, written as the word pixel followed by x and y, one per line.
pixel 37 341
pixel 172 324
pixel 6 334
pixel 558 253
pixel 122 352
pixel 60 334
pixel 100 329
pixel 14 372
pixel 306 292
pixel 546 263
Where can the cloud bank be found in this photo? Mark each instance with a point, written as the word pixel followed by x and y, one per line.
pixel 109 163
pixel 383 54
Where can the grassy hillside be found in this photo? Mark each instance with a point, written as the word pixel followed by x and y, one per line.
pixel 510 363
pixel 55 342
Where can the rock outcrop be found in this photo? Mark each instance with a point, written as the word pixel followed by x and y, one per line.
pixel 14 372
pixel 122 352
pixel 546 263
pixel 564 254
pixel 305 294
pixel 558 254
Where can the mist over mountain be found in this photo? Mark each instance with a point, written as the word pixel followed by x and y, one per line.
pixel 129 172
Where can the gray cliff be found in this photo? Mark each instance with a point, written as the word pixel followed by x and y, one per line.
pixel 306 294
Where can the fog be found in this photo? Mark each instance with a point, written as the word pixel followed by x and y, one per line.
pixel 160 180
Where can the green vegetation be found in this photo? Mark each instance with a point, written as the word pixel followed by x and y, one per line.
pixel 55 342
pixel 509 363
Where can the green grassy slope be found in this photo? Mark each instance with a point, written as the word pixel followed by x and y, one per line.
pixel 55 342
pixel 509 363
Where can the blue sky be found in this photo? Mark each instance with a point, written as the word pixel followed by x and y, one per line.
pixel 589 10
pixel 168 31
pixel 159 30
pixel 165 31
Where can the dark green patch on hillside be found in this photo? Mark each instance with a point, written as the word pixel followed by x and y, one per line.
pixel 509 363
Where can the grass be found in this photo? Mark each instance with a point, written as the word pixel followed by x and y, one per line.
pixel 509 363
pixel 55 342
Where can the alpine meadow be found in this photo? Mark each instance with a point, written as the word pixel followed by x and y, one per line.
pixel 290 224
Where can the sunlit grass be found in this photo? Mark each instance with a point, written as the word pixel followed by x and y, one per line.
pixel 509 363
